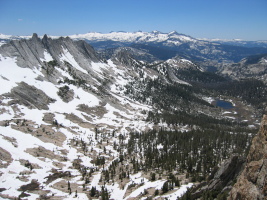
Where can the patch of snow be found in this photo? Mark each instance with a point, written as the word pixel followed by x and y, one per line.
pixel 160 146
pixel 34 115
pixel 182 82
pixel 47 57
pixel 8 114
pixel 98 67
pixel 178 193
pixel 69 58
pixel 229 117
pixel 2 42
pixel 208 99
pixel 63 73
pixel 116 192
pixel 11 74
pixel 147 184
pixel 187 61
pixel 80 196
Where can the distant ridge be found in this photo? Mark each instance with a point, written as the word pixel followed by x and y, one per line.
pixel 208 52
pixel 136 33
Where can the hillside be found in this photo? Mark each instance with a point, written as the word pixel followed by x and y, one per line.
pixel 78 125
pixel 249 67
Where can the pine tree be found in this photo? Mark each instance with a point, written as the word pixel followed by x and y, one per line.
pixel 165 187
pixel 93 191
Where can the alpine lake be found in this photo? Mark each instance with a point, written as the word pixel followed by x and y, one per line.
pixel 224 104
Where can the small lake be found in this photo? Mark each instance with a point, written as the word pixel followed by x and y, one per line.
pixel 224 104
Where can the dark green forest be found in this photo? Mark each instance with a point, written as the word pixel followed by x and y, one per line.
pixel 206 141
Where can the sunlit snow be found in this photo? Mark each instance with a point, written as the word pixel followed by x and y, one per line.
pixel 66 56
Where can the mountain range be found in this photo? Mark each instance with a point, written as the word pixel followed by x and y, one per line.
pixel 124 115
pixel 170 44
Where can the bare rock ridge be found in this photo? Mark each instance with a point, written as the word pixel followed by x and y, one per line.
pixel 252 183
pixel 29 53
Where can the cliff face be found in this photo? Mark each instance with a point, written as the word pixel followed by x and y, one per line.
pixel 252 183
pixel 222 180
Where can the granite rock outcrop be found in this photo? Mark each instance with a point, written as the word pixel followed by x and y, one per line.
pixel 252 183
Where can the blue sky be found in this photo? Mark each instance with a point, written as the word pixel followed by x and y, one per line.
pixel 225 19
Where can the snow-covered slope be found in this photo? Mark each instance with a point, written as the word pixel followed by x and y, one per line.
pixel 71 121
pixel 74 124
pixel 62 110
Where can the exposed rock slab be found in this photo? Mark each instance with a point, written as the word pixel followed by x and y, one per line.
pixel 223 178
pixel 252 183
pixel 30 96
pixel 5 158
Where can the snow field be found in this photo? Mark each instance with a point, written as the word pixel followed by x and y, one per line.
pixel 123 120
pixel 24 141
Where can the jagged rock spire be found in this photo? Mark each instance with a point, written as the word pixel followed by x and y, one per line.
pixel 45 37
pixel 34 35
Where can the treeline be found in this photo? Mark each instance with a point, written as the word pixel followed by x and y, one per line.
pixel 199 76
pixel 252 91
pixel 163 95
pixel 194 152
pixel 184 118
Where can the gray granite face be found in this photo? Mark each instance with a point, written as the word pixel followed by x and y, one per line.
pixel 29 96
pixel 29 53
pixel 251 184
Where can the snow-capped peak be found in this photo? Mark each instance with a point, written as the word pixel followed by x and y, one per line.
pixel 134 37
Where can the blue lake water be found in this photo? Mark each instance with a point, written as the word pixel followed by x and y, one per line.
pixel 224 104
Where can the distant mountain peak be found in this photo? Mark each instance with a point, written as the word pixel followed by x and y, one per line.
pixel 173 33
pixel 156 32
